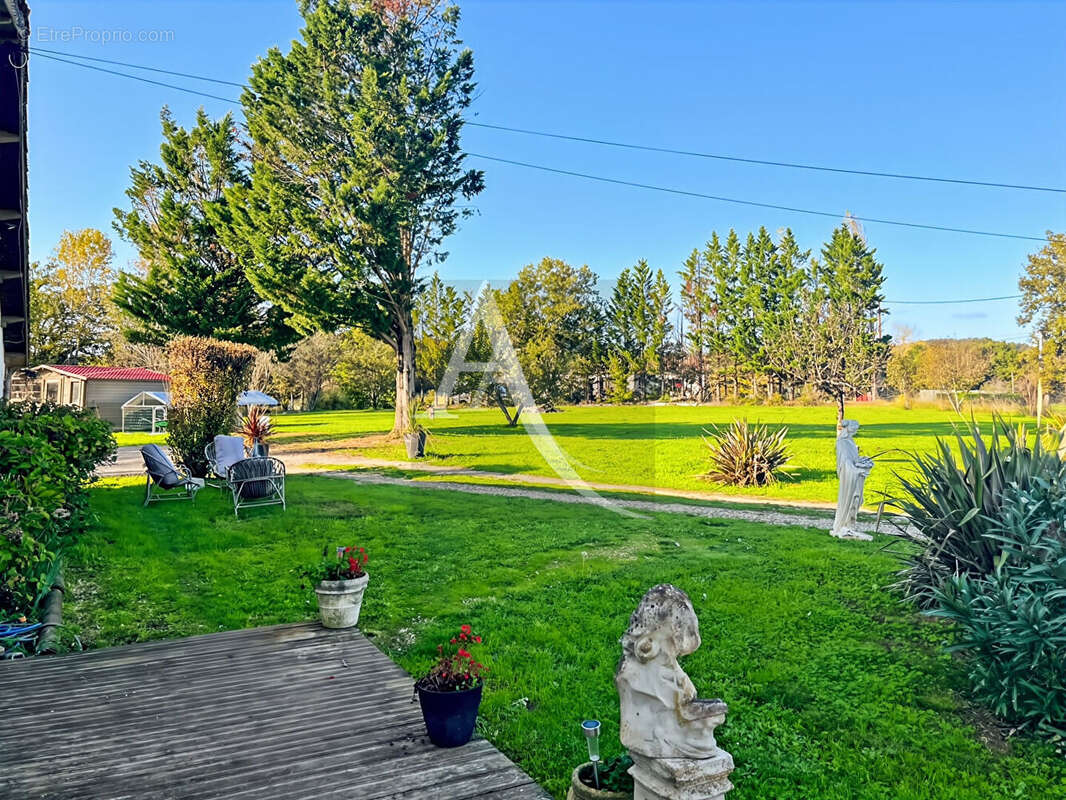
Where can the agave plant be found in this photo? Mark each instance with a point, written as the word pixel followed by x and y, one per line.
pixel 747 455
pixel 953 503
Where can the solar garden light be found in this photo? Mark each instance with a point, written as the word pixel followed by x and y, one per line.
pixel 591 729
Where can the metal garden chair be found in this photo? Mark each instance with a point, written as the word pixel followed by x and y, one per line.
pixel 257 482
pixel 221 454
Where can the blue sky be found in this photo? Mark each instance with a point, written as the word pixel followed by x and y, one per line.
pixel 970 90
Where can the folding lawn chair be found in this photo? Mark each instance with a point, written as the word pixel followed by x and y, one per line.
pixel 164 476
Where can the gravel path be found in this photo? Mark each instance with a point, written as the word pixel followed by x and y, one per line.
pixel 319 462
pixel 746 515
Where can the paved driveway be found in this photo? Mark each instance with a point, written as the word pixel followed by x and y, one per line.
pixel 129 462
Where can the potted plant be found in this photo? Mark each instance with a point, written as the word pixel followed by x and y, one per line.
pixel 256 429
pixel 340 581
pixel 450 693
pixel 615 782
pixel 414 435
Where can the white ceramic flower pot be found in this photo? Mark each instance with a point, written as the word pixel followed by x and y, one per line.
pixel 339 602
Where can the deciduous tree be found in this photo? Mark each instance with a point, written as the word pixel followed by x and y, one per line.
pixel 1043 303
pixel 310 367
pixel 72 319
pixel 546 311
pixel 365 371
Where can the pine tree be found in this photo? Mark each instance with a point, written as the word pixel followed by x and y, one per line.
pixel 660 305
pixel 788 274
pixel 358 167
pixel 694 302
pixel 193 284
pixel 833 341
pixel 719 322
pixel 439 314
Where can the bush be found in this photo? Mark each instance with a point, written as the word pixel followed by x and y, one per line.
pixel 747 455
pixel 953 504
pixel 1013 621
pixel 47 457
pixel 206 378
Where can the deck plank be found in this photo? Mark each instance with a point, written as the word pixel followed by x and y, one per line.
pixel 289 711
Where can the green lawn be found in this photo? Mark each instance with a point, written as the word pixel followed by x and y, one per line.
pixel 647 445
pixel 836 689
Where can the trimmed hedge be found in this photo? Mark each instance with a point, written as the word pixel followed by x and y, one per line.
pixel 206 378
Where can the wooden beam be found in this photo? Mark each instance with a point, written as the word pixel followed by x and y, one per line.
pixel 8 136
pixel 9 274
pixel 10 213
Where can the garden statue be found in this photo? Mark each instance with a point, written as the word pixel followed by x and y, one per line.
pixel 852 471
pixel 668 731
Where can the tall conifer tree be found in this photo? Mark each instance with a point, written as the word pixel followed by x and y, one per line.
pixel 193 284
pixel 358 167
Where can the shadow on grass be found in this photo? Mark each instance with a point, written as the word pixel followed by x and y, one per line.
pixel 690 430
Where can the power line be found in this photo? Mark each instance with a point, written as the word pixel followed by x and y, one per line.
pixel 602 179
pixel 139 78
pixel 950 302
pixel 687 193
pixel 591 140
pixel 767 163
pixel 42 51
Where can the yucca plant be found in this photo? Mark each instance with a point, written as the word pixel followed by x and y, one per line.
pixel 952 503
pixel 1013 621
pixel 1056 433
pixel 747 455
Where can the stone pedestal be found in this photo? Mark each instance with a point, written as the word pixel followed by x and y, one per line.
pixel 681 778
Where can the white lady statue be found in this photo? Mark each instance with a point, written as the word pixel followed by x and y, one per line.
pixel 852 471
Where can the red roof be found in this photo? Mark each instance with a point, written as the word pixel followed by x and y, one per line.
pixel 111 373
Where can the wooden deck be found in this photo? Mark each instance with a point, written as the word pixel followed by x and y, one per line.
pixel 292 711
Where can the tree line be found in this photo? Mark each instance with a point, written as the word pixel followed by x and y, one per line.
pixel 326 208
pixel 749 318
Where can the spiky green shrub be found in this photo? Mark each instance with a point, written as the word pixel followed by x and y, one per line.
pixel 1013 621
pixel 953 501
pixel 747 455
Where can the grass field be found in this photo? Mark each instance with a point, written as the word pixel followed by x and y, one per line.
pixel 836 690
pixel 657 446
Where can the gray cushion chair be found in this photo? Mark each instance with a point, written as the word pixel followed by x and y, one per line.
pixel 164 478
pixel 221 454
pixel 256 482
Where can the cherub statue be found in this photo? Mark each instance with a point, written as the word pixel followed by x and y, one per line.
pixel 852 471
pixel 661 715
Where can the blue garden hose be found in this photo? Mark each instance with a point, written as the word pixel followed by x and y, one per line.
pixel 12 636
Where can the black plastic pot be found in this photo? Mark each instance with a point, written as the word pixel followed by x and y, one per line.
pixel 415 443
pixel 449 716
